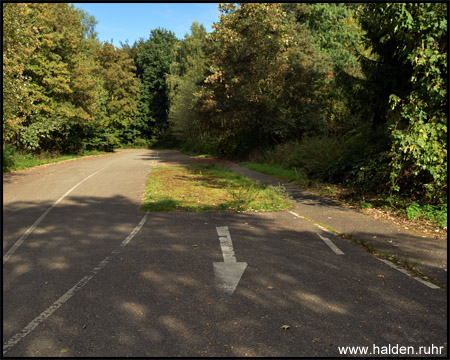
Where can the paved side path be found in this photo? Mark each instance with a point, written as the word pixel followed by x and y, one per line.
pixel 429 254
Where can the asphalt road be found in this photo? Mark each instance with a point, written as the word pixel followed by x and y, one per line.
pixel 86 274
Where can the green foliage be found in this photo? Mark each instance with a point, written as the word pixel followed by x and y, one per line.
pixel 23 159
pixel 153 64
pixel 365 205
pixel 313 157
pixel 64 91
pixel 122 91
pixel 8 160
pixel 348 93
pixel 19 43
pixel 317 156
pixel 413 211
pixel 187 72
pixel 295 175
pixel 384 69
pixel 133 51
pixel 434 213
pixel 419 126
pixel 264 72
pixel 336 32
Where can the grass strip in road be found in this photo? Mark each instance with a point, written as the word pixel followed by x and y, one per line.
pixel 209 188
pixel 293 175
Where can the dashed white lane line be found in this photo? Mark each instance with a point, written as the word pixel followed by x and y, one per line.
pixel 295 214
pixel 78 286
pixel 331 245
pixel 339 252
pixel 323 229
pixel 42 217
pixel 426 283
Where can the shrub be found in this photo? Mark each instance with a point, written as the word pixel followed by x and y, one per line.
pixel 8 156
pixel 318 156
pixel 434 213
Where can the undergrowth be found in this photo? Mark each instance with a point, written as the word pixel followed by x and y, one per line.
pixel 19 160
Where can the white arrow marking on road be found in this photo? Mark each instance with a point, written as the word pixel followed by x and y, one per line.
pixel 229 272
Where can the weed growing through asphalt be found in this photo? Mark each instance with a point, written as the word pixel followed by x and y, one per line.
pixel 209 188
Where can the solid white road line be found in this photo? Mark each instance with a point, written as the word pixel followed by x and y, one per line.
pixel 40 218
pixel 333 247
pixel 426 283
pixel 78 286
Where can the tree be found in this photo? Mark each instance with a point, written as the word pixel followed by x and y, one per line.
pixel 153 63
pixel 64 91
pixel 133 50
pixel 122 88
pixel 188 71
pixel 336 33
pixel 19 42
pixel 264 71
pixel 419 117
pixel 386 73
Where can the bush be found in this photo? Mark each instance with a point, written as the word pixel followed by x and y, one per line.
pixel 413 211
pixel 434 213
pixel 286 154
pixel 205 146
pixel 8 157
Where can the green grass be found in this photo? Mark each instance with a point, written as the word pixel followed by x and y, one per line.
pixel 21 160
pixel 209 188
pixel 294 175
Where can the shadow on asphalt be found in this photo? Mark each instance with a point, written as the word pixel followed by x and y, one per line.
pixel 157 297
pixel 428 262
pixel 10 177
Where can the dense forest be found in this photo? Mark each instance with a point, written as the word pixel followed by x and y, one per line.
pixel 353 94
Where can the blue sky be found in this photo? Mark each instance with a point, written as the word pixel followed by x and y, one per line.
pixel 122 21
